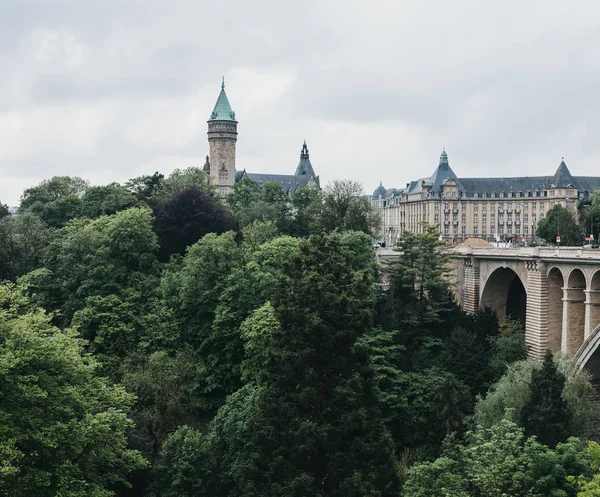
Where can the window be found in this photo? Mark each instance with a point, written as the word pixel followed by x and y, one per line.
pixel 493 218
pixel 525 230
pixel 502 194
pixel 436 218
pixel 475 230
pixel 501 218
pixel 463 217
pixel 464 206
pixel 475 218
pixel 463 230
pixel 484 207
pixel 476 207
pixel 525 218
pixel 446 230
pixel 484 231
pixel 484 217
pixel 455 230
pixel 501 230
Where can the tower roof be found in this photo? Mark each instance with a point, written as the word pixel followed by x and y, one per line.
pixel 442 173
pixel 304 166
pixel 379 191
pixel 562 177
pixel 222 110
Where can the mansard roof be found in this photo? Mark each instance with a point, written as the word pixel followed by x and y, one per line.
pixel 222 110
pixel 289 182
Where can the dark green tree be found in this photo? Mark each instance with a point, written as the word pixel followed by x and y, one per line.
pixel 23 239
pixel 4 211
pixel 144 187
pixel 560 221
pixel 186 217
pixel 546 413
pixel 318 430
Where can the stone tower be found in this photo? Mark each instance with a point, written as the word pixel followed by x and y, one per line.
pixel 222 136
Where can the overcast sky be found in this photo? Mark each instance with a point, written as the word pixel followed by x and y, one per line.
pixel 111 89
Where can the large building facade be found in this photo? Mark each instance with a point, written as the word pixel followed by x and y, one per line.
pixel 221 161
pixel 495 209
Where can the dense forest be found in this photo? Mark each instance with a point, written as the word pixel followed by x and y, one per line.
pixel 159 341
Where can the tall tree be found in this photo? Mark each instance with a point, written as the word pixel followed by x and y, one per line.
pixel 546 414
pixel 318 429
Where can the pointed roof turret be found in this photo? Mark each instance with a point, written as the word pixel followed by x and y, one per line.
pixel 562 177
pixel 222 110
pixel 304 166
pixel 443 173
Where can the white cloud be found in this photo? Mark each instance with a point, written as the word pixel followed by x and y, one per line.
pixel 112 89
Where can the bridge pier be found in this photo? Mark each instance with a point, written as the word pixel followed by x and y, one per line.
pixel 573 320
pixel 471 285
pixel 536 322
pixel 592 311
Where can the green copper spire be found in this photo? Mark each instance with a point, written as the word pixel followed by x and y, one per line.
pixel 222 110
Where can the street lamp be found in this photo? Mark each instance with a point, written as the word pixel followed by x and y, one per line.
pixel 591 238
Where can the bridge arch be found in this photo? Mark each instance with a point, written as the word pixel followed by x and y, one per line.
pixel 556 282
pixel 574 312
pixel 505 293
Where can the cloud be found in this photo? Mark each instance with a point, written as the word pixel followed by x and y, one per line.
pixel 109 89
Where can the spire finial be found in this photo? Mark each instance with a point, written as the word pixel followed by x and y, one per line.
pixel 223 83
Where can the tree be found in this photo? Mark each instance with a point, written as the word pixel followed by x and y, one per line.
pixel 546 413
pixel 560 221
pixel 144 187
pixel 305 217
pixel 178 181
pixel 109 199
pixel 346 208
pixel 23 239
pixel 4 211
pixel 56 200
pixel 62 427
pixel 500 461
pixel 418 292
pixel 509 395
pixel 507 347
pixel 185 218
pixel 589 215
pixel 318 430
pixel 110 260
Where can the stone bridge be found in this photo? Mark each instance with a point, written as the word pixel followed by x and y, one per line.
pixel 555 292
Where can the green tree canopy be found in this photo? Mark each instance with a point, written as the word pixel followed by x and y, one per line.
pixel 560 221
pixel 546 413
pixel 62 428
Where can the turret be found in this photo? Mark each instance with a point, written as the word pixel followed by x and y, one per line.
pixel 222 137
